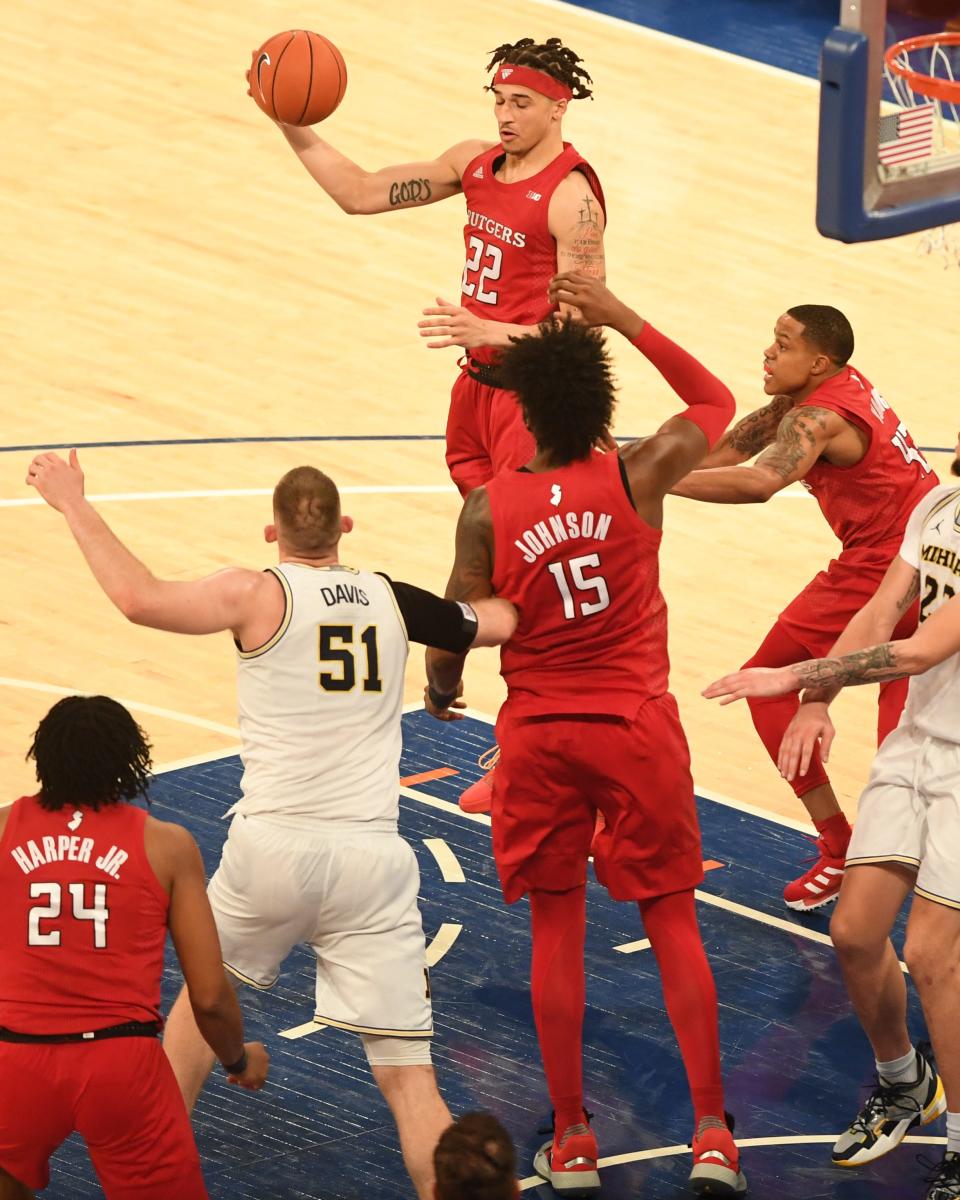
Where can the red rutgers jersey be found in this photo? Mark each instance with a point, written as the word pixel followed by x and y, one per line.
pixel 84 920
pixel 511 254
pixel 581 566
pixel 867 505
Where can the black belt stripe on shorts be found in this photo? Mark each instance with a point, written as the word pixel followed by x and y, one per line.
pixel 130 1029
pixel 485 373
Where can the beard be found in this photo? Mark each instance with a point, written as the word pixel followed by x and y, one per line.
pixel 955 467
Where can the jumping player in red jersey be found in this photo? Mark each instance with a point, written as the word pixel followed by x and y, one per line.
pixel 534 206
pixel 89 886
pixel 830 429
pixel 589 726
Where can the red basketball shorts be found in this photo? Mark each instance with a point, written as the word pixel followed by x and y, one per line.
pixel 120 1095
pixel 556 772
pixel 820 613
pixel 485 434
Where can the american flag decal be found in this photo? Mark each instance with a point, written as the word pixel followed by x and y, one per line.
pixel 907 135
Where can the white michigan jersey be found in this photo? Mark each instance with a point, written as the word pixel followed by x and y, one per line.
pixel 931 543
pixel 320 702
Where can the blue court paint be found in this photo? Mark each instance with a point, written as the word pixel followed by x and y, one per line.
pixel 785 35
pixel 794 1058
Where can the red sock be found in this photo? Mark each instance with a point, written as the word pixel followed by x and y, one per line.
pixel 670 923
pixel 558 991
pixel 835 832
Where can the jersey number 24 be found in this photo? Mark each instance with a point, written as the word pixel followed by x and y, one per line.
pixel 98 912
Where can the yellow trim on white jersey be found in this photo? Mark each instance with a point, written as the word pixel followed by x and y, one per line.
pixel 319 1019
pixel 939 507
pixel 403 625
pixel 284 623
pixel 261 987
pixel 904 860
pixel 934 899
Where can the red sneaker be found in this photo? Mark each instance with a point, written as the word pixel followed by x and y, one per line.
pixel 569 1162
pixel 716 1160
pixel 478 797
pixel 819 885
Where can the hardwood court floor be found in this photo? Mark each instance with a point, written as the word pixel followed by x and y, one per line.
pixel 171 273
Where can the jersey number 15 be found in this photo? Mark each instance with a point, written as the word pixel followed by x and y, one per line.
pixel 594 585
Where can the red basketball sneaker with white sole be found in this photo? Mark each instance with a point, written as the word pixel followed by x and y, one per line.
pixel 716 1160
pixel 819 885
pixel 569 1162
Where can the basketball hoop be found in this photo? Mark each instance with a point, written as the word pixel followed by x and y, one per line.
pixel 927 83
pixel 923 74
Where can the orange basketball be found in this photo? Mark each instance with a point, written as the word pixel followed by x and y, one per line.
pixel 298 77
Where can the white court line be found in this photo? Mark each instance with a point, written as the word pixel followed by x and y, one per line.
pixel 299 1031
pixel 424 489
pixel 741 910
pixel 819 1139
pixel 624 26
pixel 54 689
pixel 442 944
pixel 633 947
pixel 447 861
pixel 444 805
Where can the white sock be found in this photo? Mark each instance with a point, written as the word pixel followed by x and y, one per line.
pixel 900 1070
pixel 953 1133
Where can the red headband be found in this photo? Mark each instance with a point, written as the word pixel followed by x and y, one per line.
pixel 537 81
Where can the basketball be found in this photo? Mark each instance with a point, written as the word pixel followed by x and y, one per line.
pixel 298 77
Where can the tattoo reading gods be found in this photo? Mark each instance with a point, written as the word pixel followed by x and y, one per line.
pixel 411 189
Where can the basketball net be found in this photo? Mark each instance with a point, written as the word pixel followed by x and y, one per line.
pixel 923 80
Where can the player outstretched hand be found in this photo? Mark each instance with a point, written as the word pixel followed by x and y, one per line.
pixel 450 325
pixel 448 712
pixel 754 681
pixel 810 727
pixel 596 303
pixel 58 482
pixel 258 1067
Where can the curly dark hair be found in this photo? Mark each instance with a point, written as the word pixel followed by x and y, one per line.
pixel 89 752
pixel 565 386
pixel 552 57
pixel 475 1160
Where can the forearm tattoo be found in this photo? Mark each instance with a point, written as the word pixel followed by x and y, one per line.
pixel 758 429
pixel 873 665
pixel 799 434
pixel 908 597
pixel 410 191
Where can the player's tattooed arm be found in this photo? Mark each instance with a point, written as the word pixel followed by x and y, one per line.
pixel 802 436
pixel 910 594
pixel 753 433
pixel 875 664
pixel 936 640
pixel 358 191
pixel 577 222
pixel 470 580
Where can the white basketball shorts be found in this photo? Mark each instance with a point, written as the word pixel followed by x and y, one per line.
pixel 910 813
pixel 349 894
